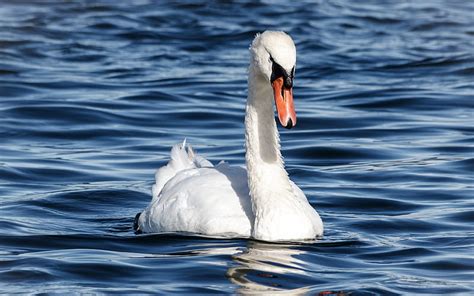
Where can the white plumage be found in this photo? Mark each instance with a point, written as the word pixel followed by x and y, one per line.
pixel 259 201
pixel 192 195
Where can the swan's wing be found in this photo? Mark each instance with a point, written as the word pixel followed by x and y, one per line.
pixel 212 201
pixel 180 160
pixel 198 160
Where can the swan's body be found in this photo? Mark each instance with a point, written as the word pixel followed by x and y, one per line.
pixel 192 195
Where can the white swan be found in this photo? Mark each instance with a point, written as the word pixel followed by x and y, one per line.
pixel 192 195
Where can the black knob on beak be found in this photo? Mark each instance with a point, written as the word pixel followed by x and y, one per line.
pixel 288 82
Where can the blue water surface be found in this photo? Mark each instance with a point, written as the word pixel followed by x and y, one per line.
pixel 93 94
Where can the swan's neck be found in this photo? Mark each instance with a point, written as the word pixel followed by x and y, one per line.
pixel 262 137
pixel 268 181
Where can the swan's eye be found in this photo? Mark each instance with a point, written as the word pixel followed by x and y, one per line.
pixel 270 59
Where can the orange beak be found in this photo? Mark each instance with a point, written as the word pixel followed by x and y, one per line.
pixel 284 103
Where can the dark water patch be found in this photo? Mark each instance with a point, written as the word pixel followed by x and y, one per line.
pixel 145 243
pixel 42 174
pixel 327 154
pixel 439 62
pixel 28 276
pixel 397 256
pixel 62 113
pixel 399 226
pixel 436 25
pixel 14 91
pixel 388 207
pixel 85 202
pixel 462 217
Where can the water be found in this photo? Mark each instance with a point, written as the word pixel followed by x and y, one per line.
pixel 94 94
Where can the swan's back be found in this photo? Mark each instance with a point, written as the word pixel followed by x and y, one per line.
pixel 193 196
pixel 180 160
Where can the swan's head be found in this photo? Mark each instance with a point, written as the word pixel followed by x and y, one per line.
pixel 274 57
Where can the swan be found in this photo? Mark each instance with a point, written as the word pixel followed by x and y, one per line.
pixel 260 201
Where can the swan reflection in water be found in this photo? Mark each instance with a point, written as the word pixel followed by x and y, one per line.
pixel 268 268
pixel 264 268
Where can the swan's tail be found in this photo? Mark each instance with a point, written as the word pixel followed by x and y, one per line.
pixel 181 159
